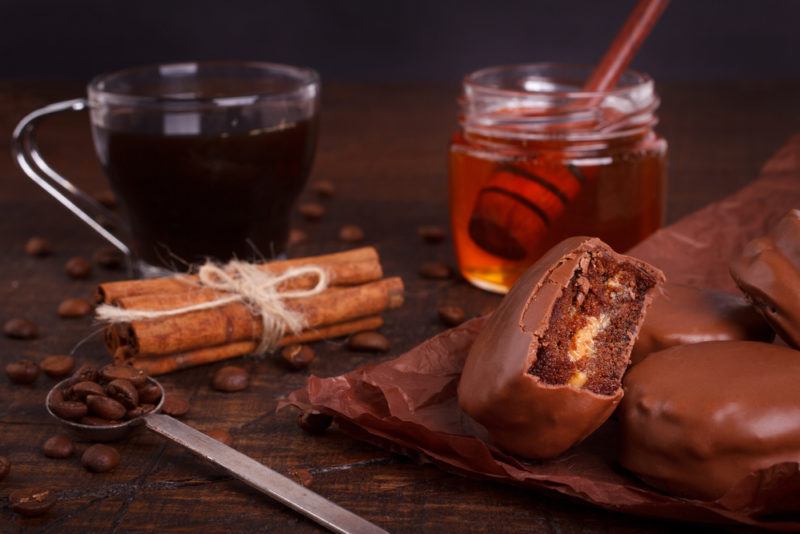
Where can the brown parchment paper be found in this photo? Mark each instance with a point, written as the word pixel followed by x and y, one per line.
pixel 409 404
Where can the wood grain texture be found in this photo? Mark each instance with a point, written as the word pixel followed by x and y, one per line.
pixel 385 149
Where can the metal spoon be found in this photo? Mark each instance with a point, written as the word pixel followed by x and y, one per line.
pixel 249 471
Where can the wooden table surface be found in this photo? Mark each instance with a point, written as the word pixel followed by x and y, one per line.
pixel 385 149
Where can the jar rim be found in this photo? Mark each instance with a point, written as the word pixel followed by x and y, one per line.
pixel 258 81
pixel 546 101
pixel 629 80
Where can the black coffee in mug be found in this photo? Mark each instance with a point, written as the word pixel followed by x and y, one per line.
pixel 194 196
pixel 206 159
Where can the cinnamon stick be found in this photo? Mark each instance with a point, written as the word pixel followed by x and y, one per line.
pixel 347 268
pixel 235 322
pixel 162 364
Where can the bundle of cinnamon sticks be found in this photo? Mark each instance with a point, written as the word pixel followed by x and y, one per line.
pixel 355 297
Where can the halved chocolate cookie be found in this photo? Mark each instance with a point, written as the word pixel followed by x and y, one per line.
pixel 546 369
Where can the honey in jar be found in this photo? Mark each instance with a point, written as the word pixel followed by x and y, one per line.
pixel 537 160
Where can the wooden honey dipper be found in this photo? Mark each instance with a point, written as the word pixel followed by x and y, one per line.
pixel 516 207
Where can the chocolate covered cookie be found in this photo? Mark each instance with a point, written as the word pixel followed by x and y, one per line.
pixel 680 315
pixel 697 419
pixel 546 369
pixel 768 271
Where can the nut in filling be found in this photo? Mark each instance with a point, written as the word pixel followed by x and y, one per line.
pixel 587 341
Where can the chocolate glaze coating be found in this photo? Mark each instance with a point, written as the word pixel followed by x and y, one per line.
pixel 698 418
pixel 768 271
pixel 523 415
pixel 681 315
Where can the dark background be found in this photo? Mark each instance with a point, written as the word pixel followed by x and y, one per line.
pixel 418 40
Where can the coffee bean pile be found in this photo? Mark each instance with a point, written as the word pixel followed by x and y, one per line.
pixel 108 396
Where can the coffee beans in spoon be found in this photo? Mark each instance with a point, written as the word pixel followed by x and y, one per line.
pixel 83 389
pixel 125 372
pixel 124 392
pixel 69 410
pixel 105 407
pixel 105 397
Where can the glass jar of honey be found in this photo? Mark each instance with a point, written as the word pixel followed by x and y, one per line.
pixel 537 159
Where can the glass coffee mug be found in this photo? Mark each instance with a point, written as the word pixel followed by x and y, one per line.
pixel 206 159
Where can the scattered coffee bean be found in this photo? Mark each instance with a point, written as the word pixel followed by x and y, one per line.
pixel 311 211
pixel 110 258
pixel 314 422
pixel 20 329
pixel 298 356
pixel 57 365
pixel 431 234
pixel 39 247
pixel 105 407
pixel 31 502
pixel 370 341
pixel 436 270
pixel 74 307
pixel 175 405
pixel 451 315
pixel 106 198
pixel 139 411
pixel 91 420
pixel 149 393
pixel 124 392
pixel 220 435
pixel 230 379
pixel 323 188
pixel 5 467
pixel 125 372
pixel 77 267
pixel 297 236
pixel 69 410
pixel 350 233
pixel 100 458
pixel 22 372
pixel 81 390
pixel 58 446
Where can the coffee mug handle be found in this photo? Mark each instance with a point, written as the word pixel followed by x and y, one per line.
pixel 26 153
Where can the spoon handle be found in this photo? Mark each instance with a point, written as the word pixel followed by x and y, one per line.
pixel 262 478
